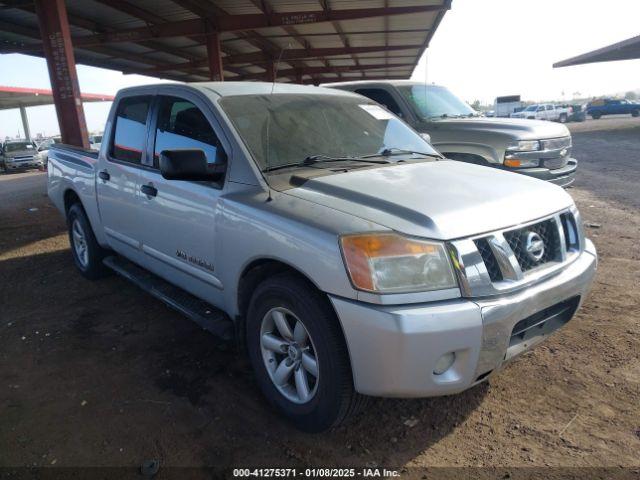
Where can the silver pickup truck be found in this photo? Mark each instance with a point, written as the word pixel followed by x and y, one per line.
pixel 538 149
pixel 334 243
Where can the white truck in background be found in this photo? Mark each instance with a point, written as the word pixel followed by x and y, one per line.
pixel 544 111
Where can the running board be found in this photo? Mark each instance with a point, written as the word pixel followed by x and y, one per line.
pixel 204 314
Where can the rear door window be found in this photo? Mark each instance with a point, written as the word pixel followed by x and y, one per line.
pixel 130 129
pixel 182 125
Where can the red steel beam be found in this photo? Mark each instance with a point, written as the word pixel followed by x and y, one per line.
pixel 318 80
pixel 214 56
pixel 58 51
pixel 291 54
pixel 237 23
pixel 298 72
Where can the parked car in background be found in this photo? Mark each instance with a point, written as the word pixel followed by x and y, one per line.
pixel 44 147
pixel 538 149
pixel 346 254
pixel 19 155
pixel 95 141
pixel 609 106
pixel 577 113
pixel 544 111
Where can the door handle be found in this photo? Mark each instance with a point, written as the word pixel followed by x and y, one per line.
pixel 104 175
pixel 149 190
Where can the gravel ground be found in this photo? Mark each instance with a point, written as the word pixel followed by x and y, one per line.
pixel 101 374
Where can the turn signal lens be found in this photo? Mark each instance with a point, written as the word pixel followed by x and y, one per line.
pixel 512 162
pixel 391 263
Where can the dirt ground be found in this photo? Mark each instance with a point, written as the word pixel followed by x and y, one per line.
pixel 101 374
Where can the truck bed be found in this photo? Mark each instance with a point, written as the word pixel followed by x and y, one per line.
pixel 72 170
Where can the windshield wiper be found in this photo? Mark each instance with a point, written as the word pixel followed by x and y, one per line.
pixel 389 152
pixel 314 159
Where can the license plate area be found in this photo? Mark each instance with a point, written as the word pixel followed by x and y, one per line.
pixel 537 327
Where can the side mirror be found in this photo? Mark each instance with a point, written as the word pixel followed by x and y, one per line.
pixel 426 137
pixel 191 164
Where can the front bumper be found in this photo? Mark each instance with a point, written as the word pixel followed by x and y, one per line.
pixel 24 165
pixel 562 177
pixel 394 349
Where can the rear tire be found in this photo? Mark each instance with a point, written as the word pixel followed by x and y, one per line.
pixel 328 397
pixel 87 253
pixel 563 118
pixel 635 113
pixel 596 116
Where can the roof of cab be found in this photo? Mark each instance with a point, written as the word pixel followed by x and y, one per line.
pixel 226 89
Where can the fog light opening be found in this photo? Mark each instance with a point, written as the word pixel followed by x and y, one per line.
pixel 444 363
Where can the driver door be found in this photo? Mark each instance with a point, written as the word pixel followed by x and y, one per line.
pixel 177 225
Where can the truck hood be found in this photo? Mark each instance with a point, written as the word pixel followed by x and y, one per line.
pixel 442 200
pixel 520 129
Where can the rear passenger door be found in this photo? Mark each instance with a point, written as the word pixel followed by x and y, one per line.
pixel 177 224
pixel 118 174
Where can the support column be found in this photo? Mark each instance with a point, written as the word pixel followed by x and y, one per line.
pixel 58 51
pixel 270 75
pixel 298 76
pixel 25 122
pixel 215 57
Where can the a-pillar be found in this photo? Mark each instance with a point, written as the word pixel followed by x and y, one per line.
pixel 58 51
pixel 25 122
pixel 215 57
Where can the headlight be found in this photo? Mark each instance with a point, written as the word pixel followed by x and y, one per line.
pixel 391 263
pixel 524 146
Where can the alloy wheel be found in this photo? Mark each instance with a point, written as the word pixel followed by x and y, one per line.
pixel 80 243
pixel 289 355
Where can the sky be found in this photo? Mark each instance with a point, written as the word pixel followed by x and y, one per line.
pixel 488 48
pixel 482 49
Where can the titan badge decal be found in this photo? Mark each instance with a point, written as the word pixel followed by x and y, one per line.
pixel 195 260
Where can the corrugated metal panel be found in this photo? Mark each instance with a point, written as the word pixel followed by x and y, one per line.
pixel 93 16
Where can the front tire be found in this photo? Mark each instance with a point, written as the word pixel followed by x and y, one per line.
pixel 299 355
pixel 87 253
pixel 635 113
pixel 563 118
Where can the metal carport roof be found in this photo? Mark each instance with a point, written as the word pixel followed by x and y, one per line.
pixel 318 40
pixel 16 97
pixel 625 50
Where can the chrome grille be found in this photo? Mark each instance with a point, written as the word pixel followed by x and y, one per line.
pixel 554 163
pixel 499 262
pixel 489 259
pixel 548 232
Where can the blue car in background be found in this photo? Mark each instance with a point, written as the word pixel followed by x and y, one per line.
pixel 607 106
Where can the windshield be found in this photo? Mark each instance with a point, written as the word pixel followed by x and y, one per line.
pixel 17 146
pixel 531 108
pixel 303 125
pixel 431 101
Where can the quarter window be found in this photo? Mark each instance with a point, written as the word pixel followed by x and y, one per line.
pixel 182 125
pixel 130 129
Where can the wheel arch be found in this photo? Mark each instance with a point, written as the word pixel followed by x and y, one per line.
pixel 256 272
pixel 70 197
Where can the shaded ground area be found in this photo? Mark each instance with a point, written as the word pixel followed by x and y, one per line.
pixel 100 374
